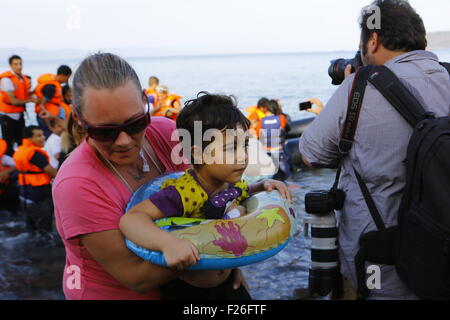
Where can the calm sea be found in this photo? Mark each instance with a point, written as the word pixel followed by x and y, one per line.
pixel 32 270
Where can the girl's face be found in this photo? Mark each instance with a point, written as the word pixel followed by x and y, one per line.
pixel 115 107
pixel 226 158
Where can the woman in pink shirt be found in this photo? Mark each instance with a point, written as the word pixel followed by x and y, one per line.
pixel 123 151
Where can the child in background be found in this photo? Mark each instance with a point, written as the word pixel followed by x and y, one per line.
pixel 211 189
pixel 53 144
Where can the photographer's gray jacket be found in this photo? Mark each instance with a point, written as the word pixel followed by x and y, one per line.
pixel 378 153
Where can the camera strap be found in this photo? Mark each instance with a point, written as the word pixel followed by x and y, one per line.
pixel 348 133
pixel 351 121
pixel 355 100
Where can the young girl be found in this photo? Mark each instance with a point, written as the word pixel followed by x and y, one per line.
pixel 212 189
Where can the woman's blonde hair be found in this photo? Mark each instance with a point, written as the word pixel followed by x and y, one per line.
pixel 101 71
pixel 98 71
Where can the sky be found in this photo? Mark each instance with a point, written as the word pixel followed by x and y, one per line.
pixel 177 27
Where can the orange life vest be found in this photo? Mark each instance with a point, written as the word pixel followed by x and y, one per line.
pixel 66 109
pixel 254 113
pixel 168 103
pixel 54 103
pixel 3 147
pixel 29 174
pixel 22 92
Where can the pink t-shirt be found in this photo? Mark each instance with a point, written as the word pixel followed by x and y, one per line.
pixel 89 198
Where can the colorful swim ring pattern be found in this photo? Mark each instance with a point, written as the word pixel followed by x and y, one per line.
pixel 264 231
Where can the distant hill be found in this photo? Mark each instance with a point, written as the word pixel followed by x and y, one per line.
pixel 437 40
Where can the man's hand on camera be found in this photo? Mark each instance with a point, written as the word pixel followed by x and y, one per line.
pixel 348 70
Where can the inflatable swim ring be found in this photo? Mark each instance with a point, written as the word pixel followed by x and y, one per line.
pixel 225 244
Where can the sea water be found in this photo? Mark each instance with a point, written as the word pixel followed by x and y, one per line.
pixel 32 269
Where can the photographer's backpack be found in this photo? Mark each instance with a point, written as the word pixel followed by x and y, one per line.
pixel 419 246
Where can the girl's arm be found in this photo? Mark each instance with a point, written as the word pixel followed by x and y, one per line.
pixel 138 226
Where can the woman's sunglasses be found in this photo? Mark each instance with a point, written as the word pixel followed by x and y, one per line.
pixel 110 133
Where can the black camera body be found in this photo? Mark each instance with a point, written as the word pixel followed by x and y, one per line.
pixel 323 202
pixel 305 105
pixel 337 68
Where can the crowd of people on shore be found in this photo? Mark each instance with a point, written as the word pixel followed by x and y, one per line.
pixel 31 155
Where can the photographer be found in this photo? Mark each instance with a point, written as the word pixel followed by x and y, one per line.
pixel 382 135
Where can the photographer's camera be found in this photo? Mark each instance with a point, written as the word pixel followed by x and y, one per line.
pixel 324 271
pixel 337 68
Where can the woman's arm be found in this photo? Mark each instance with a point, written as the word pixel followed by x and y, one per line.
pixel 109 250
pixel 94 221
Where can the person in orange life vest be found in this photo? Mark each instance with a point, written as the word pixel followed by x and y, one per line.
pixel 9 194
pixel 287 125
pixel 152 93
pixel 169 105
pixel 14 94
pixel 49 91
pixel 35 176
pixel 272 131
pixel 256 113
pixel 7 167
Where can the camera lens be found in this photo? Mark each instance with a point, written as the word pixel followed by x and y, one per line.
pixel 323 281
pixel 324 269
pixel 337 68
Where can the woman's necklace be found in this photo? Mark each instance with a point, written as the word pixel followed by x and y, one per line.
pixel 141 173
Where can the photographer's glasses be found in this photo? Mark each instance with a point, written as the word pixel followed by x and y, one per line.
pixel 109 133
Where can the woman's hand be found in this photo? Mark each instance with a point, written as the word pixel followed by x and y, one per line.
pixel 180 254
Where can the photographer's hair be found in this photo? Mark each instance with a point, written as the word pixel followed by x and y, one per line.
pixel 214 111
pixel 101 71
pixel 402 29
pixel 14 57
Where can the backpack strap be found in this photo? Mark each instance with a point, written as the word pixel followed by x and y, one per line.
pixel 446 65
pixel 370 203
pixel 387 83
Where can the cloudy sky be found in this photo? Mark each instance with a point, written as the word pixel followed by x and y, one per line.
pixel 194 26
